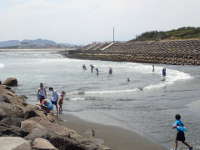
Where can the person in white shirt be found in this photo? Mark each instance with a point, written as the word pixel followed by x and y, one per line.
pixel 54 98
pixel 41 93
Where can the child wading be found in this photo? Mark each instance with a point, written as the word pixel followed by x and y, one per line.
pixel 60 102
pixel 179 126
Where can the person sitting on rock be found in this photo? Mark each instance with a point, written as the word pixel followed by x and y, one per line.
pixel 60 101
pixel 41 93
pixel 54 98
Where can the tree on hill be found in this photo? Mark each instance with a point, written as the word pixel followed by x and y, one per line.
pixel 180 33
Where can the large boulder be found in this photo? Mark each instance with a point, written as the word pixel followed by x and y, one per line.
pixel 10 130
pixel 42 144
pixel 14 143
pixel 11 82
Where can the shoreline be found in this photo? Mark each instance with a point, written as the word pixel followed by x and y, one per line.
pixel 115 137
pixel 35 49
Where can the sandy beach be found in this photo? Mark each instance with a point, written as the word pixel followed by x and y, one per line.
pixel 114 137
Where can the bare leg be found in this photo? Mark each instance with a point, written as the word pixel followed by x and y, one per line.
pixel 176 145
pixel 61 109
pixel 187 145
pixel 57 109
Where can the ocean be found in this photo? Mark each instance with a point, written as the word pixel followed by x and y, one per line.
pixel 146 105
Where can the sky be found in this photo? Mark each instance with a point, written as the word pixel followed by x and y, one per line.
pixel 86 21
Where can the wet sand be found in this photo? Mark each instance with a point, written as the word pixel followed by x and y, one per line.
pixel 114 137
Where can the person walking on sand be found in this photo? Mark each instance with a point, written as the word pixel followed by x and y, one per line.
pixel 54 98
pixel 179 126
pixel 41 93
pixel 60 101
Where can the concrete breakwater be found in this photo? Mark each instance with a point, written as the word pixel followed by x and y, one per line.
pixel 177 52
pixel 26 127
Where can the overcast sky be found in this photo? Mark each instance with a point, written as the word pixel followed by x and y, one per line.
pixel 84 21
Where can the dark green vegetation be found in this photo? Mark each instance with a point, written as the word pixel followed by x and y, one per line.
pixel 180 33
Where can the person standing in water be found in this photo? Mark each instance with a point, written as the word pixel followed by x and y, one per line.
pixel 84 67
pixel 41 93
pixel 110 71
pixel 54 98
pixel 179 126
pixel 128 80
pixel 153 69
pixel 97 71
pixel 60 101
pixel 164 73
pixel 92 68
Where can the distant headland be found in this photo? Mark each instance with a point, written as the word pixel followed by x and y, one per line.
pixel 33 44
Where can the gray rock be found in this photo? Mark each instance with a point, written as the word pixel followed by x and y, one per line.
pixel 42 144
pixel 4 99
pixel 11 82
pixel 6 130
pixel 37 133
pixel 14 143
pixel 3 114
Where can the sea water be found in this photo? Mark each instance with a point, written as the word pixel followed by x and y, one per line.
pixel 147 104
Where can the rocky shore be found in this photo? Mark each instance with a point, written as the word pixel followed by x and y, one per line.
pixel 176 52
pixel 26 127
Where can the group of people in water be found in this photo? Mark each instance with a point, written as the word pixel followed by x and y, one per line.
pixel 92 68
pixel 56 99
pixel 110 71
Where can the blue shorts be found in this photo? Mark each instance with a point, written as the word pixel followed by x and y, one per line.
pixel 54 102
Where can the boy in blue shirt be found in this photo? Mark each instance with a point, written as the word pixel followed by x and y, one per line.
pixel 179 126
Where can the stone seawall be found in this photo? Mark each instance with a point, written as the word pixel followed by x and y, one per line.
pixel 180 52
pixel 138 58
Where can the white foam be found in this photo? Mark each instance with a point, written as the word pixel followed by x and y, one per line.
pixel 77 99
pixel 171 78
pixel 112 91
pixel 2 65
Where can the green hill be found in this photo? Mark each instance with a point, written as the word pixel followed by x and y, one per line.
pixel 180 33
